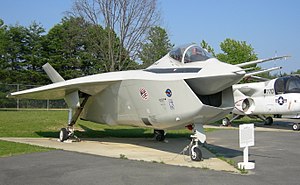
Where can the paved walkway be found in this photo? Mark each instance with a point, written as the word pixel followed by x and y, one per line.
pixel 140 149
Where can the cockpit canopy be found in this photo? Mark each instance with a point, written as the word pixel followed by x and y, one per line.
pixel 189 53
pixel 287 84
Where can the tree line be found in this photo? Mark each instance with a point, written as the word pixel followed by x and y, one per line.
pixel 73 47
pixel 76 47
pixel 96 36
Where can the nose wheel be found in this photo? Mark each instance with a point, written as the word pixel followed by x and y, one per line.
pixel 195 152
pixel 193 148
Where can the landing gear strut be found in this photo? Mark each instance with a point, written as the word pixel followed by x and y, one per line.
pixel 199 135
pixel 195 152
pixel 268 120
pixel 159 135
pixel 227 122
pixel 68 132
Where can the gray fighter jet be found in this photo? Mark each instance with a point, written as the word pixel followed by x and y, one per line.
pixel 186 88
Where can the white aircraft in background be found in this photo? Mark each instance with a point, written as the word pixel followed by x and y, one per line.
pixel 185 88
pixel 280 96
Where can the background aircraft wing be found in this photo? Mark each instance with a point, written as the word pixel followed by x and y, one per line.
pixel 252 73
pixel 261 61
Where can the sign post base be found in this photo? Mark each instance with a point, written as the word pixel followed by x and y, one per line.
pixel 246 165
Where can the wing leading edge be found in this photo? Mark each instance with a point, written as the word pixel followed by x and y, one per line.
pixel 60 90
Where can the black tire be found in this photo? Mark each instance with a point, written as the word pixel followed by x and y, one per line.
pixel 269 121
pixel 196 154
pixel 159 135
pixel 226 122
pixel 296 126
pixel 63 134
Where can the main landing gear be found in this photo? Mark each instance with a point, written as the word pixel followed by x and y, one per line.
pixel 227 122
pixel 267 120
pixel 296 126
pixel 193 148
pixel 159 135
pixel 68 132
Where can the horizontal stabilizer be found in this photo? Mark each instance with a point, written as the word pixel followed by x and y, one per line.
pixel 261 61
pixel 52 73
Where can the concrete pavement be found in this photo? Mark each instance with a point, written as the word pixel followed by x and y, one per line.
pixel 139 149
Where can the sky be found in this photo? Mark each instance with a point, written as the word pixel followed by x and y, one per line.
pixel 272 27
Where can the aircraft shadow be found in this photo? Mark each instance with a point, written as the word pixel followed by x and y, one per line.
pixel 224 152
pixel 175 143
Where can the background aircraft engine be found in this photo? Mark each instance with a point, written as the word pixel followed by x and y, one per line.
pixel 245 105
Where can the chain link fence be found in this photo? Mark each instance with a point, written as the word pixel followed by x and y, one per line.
pixel 11 103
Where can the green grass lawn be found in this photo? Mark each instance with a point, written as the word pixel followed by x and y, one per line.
pixel 30 123
pixel 11 148
pixel 42 123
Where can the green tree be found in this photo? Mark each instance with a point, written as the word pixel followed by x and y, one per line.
pixel 3 51
pixel 158 44
pixel 296 72
pixel 21 54
pixel 126 22
pixel 34 55
pixel 98 46
pixel 13 50
pixel 77 47
pixel 205 45
pixel 235 52
pixel 64 45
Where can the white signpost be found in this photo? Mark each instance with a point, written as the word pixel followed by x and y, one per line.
pixel 246 132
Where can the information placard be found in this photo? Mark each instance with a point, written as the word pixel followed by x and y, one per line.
pixel 246 135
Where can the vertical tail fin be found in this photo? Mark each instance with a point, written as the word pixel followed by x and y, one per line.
pixel 52 73
pixel 72 99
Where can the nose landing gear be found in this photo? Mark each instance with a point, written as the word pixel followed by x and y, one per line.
pixel 195 152
pixel 198 136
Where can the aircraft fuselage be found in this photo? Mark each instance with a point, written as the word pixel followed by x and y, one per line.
pixel 157 104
